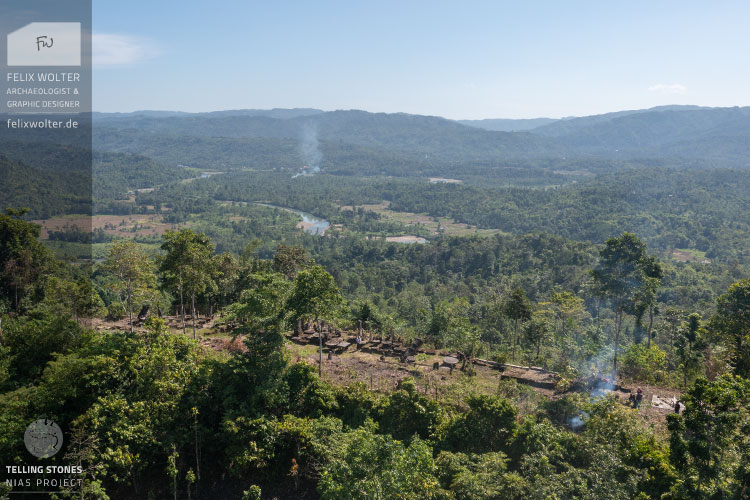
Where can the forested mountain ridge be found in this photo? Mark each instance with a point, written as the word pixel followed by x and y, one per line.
pixel 282 113
pixel 684 133
pixel 398 132
pixel 569 125
pixel 689 133
pixel 45 191
pixel 508 124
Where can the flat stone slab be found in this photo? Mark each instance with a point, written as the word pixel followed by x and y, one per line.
pixel 665 403
pixel 450 360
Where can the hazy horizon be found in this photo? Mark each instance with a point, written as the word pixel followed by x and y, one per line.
pixel 180 111
pixel 480 60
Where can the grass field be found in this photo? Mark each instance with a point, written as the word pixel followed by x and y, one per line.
pixel 688 255
pixel 448 226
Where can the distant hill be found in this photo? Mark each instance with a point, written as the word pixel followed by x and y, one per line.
pixel 429 135
pixel 670 135
pixel 685 132
pixel 44 191
pixel 399 132
pixel 508 124
pixel 281 113
pixel 572 124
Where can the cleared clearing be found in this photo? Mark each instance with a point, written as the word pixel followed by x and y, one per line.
pixel 447 226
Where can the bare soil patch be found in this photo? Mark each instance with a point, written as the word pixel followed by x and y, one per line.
pixel 124 226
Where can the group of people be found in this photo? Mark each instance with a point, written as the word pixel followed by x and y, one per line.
pixel 636 399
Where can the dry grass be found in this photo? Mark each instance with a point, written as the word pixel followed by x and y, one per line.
pixel 448 225
pixel 124 226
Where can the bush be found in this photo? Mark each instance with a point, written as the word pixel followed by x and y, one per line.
pixel 355 404
pixel 252 494
pixel 645 364
pixel 488 426
pixel 377 466
pixel 408 413
pixel 482 477
pixel 500 357
pixel 115 311
pixel 308 394
pixel 562 385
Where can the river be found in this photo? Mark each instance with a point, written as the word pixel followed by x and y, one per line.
pixel 310 223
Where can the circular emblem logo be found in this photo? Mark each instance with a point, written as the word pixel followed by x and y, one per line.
pixel 43 438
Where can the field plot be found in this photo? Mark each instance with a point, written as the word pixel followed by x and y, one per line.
pixel 124 226
pixel 688 255
pixel 434 225
pixel 527 387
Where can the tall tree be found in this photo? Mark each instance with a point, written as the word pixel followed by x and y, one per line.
pixel 645 296
pixel 569 311
pixel 77 299
pixel 187 266
pixel 710 440
pixel 690 347
pixel 456 330
pixel 133 273
pixel 622 271
pixel 226 273
pixel 536 332
pixel 289 259
pixel 671 320
pixel 261 305
pixel 315 295
pixel 732 323
pixel 517 309
pixel 23 258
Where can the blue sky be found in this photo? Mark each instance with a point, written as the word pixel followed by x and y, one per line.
pixel 458 59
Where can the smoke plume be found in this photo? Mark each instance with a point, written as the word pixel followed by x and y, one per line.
pixel 309 150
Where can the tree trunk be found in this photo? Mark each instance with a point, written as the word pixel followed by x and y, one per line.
pixel 130 306
pixel 197 453
pixel 598 324
pixel 650 323
pixel 182 308
pixel 618 326
pixel 320 354
pixel 192 300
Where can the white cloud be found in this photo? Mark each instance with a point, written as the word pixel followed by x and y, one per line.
pixel 668 89
pixel 119 50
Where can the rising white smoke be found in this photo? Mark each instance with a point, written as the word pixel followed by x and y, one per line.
pixel 309 150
